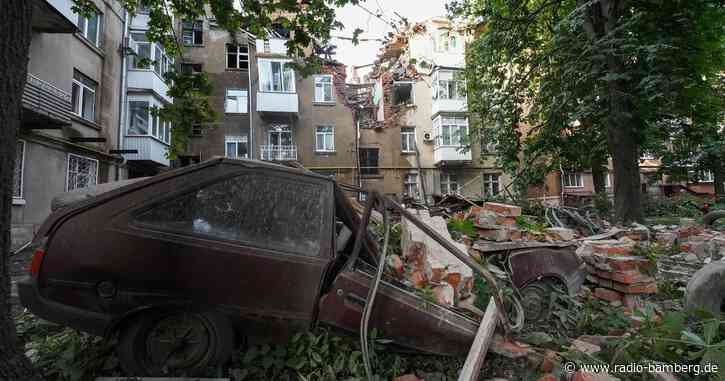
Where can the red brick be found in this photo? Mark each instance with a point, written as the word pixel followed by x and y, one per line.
pixel 637 288
pixel 626 277
pixel 626 263
pixel 613 250
pixel 504 209
pixel 397 265
pixel 506 221
pixel 607 294
pixel 454 279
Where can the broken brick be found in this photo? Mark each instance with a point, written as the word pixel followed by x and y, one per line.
pixel 397 265
pixel 418 278
pixel 585 347
pixel 503 209
pixel 607 294
pixel 643 288
pixel 444 294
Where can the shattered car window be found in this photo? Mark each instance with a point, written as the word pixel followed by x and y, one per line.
pixel 266 211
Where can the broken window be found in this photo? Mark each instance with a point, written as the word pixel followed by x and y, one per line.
pixel 402 93
pixel 191 68
pixel 237 56
pixel 255 209
pixel 192 32
pixel 369 161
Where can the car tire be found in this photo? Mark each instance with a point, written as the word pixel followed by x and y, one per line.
pixel 174 342
pixel 535 299
pixel 711 217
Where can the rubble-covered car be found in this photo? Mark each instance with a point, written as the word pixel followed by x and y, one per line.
pixel 183 264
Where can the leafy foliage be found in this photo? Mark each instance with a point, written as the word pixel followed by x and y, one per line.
pixel 461 226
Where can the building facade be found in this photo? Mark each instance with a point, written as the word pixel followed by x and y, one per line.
pixel 71 108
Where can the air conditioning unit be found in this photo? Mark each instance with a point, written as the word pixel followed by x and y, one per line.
pixel 427 137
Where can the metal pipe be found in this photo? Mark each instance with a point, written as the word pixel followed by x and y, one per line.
pixel 123 88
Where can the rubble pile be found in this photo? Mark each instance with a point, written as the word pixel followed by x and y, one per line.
pixel 425 264
pixel 696 247
pixel 499 222
pixel 619 275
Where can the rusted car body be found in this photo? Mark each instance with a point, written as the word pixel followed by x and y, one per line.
pixel 257 243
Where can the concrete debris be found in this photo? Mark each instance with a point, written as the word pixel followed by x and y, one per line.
pixel 425 263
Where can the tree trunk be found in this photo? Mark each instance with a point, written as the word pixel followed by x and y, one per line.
pixel 599 171
pixel 602 19
pixel 15 16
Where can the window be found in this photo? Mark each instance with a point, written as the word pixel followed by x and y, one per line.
pixel 148 53
pixel 192 32
pixel 276 76
pixel 236 101
pixel 325 139
pixel 323 89
pixel 82 172
pixel 573 180
pixel 236 147
pixel 197 130
pixel 90 27
pixel 407 139
pixel 369 161
pixel 237 56
pixel 447 41
pixel 84 96
pixel 142 121
pixel 647 156
pixel 450 131
pixel 403 93
pixel 19 167
pixel 490 184
pixel 410 185
pixel 449 183
pixel 448 86
pixel 706 176
pixel 254 209
pixel 191 68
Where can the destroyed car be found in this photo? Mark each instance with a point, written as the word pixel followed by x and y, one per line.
pixel 183 265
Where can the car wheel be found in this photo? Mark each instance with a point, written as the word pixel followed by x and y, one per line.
pixel 706 289
pixel 174 342
pixel 710 218
pixel 535 300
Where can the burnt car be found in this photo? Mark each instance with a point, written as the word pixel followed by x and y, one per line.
pixel 183 264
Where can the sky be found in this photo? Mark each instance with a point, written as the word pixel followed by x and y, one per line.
pixel 353 17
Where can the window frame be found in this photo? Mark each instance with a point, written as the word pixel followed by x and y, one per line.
pixel 238 54
pixel 245 108
pixel 163 128
pixel 411 100
pixel 67 170
pixel 439 127
pixel 192 26
pixel 407 139
pixel 160 63
pixel 78 81
pixel 491 179
pixel 457 84
pixel 578 180
pixel 20 161
pixel 414 183
pixel 324 134
pixel 236 140
pixel 447 181
pixel 262 63
pixel 83 29
pixel 318 82
pixel 706 176
pixel 369 170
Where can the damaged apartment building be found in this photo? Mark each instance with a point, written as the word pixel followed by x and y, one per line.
pixel 266 110
pixel 414 126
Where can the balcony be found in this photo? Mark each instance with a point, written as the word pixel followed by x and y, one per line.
pixel 448 105
pixel 451 155
pixel 148 80
pixel 277 102
pixel 278 153
pixel 45 105
pixel 140 21
pixel 149 149
pixel 53 16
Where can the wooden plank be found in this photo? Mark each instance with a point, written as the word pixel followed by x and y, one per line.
pixel 474 361
pixel 488 247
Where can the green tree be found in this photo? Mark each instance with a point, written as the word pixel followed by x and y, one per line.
pixel 621 67
pixel 309 21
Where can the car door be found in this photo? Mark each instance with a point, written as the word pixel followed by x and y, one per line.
pixel 254 241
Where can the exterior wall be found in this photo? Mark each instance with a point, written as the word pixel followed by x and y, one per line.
pixel 212 55
pixel 53 59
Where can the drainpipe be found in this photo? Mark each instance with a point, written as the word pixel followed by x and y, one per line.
pixel 357 150
pixel 561 181
pixel 123 89
pixel 251 112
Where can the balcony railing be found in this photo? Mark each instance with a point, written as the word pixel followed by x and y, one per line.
pixel 46 105
pixel 278 153
pixel 277 102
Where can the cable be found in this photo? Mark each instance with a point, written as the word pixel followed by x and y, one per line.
pixel 371 297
